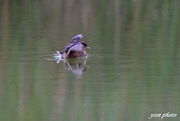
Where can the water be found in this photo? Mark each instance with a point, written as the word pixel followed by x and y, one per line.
pixel 131 72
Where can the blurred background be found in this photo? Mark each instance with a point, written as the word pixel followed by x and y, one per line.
pixel 132 69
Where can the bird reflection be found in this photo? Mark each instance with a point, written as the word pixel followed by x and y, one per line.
pixel 76 65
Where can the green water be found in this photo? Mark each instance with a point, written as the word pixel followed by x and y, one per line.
pixel 132 69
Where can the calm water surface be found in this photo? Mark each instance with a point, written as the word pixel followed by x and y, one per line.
pixel 132 69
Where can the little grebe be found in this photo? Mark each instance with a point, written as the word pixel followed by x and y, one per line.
pixel 75 48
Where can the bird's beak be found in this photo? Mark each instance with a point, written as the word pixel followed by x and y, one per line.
pixel 88 47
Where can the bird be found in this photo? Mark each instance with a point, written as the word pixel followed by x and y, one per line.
pixel 75 48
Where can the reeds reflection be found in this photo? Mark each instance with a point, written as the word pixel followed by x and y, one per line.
pixel 138 75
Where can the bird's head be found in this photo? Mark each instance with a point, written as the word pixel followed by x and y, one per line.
pixel 85 45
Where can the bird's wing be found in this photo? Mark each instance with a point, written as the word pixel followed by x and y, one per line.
pixel 76 48
pixel 69 45
pixel 73 41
